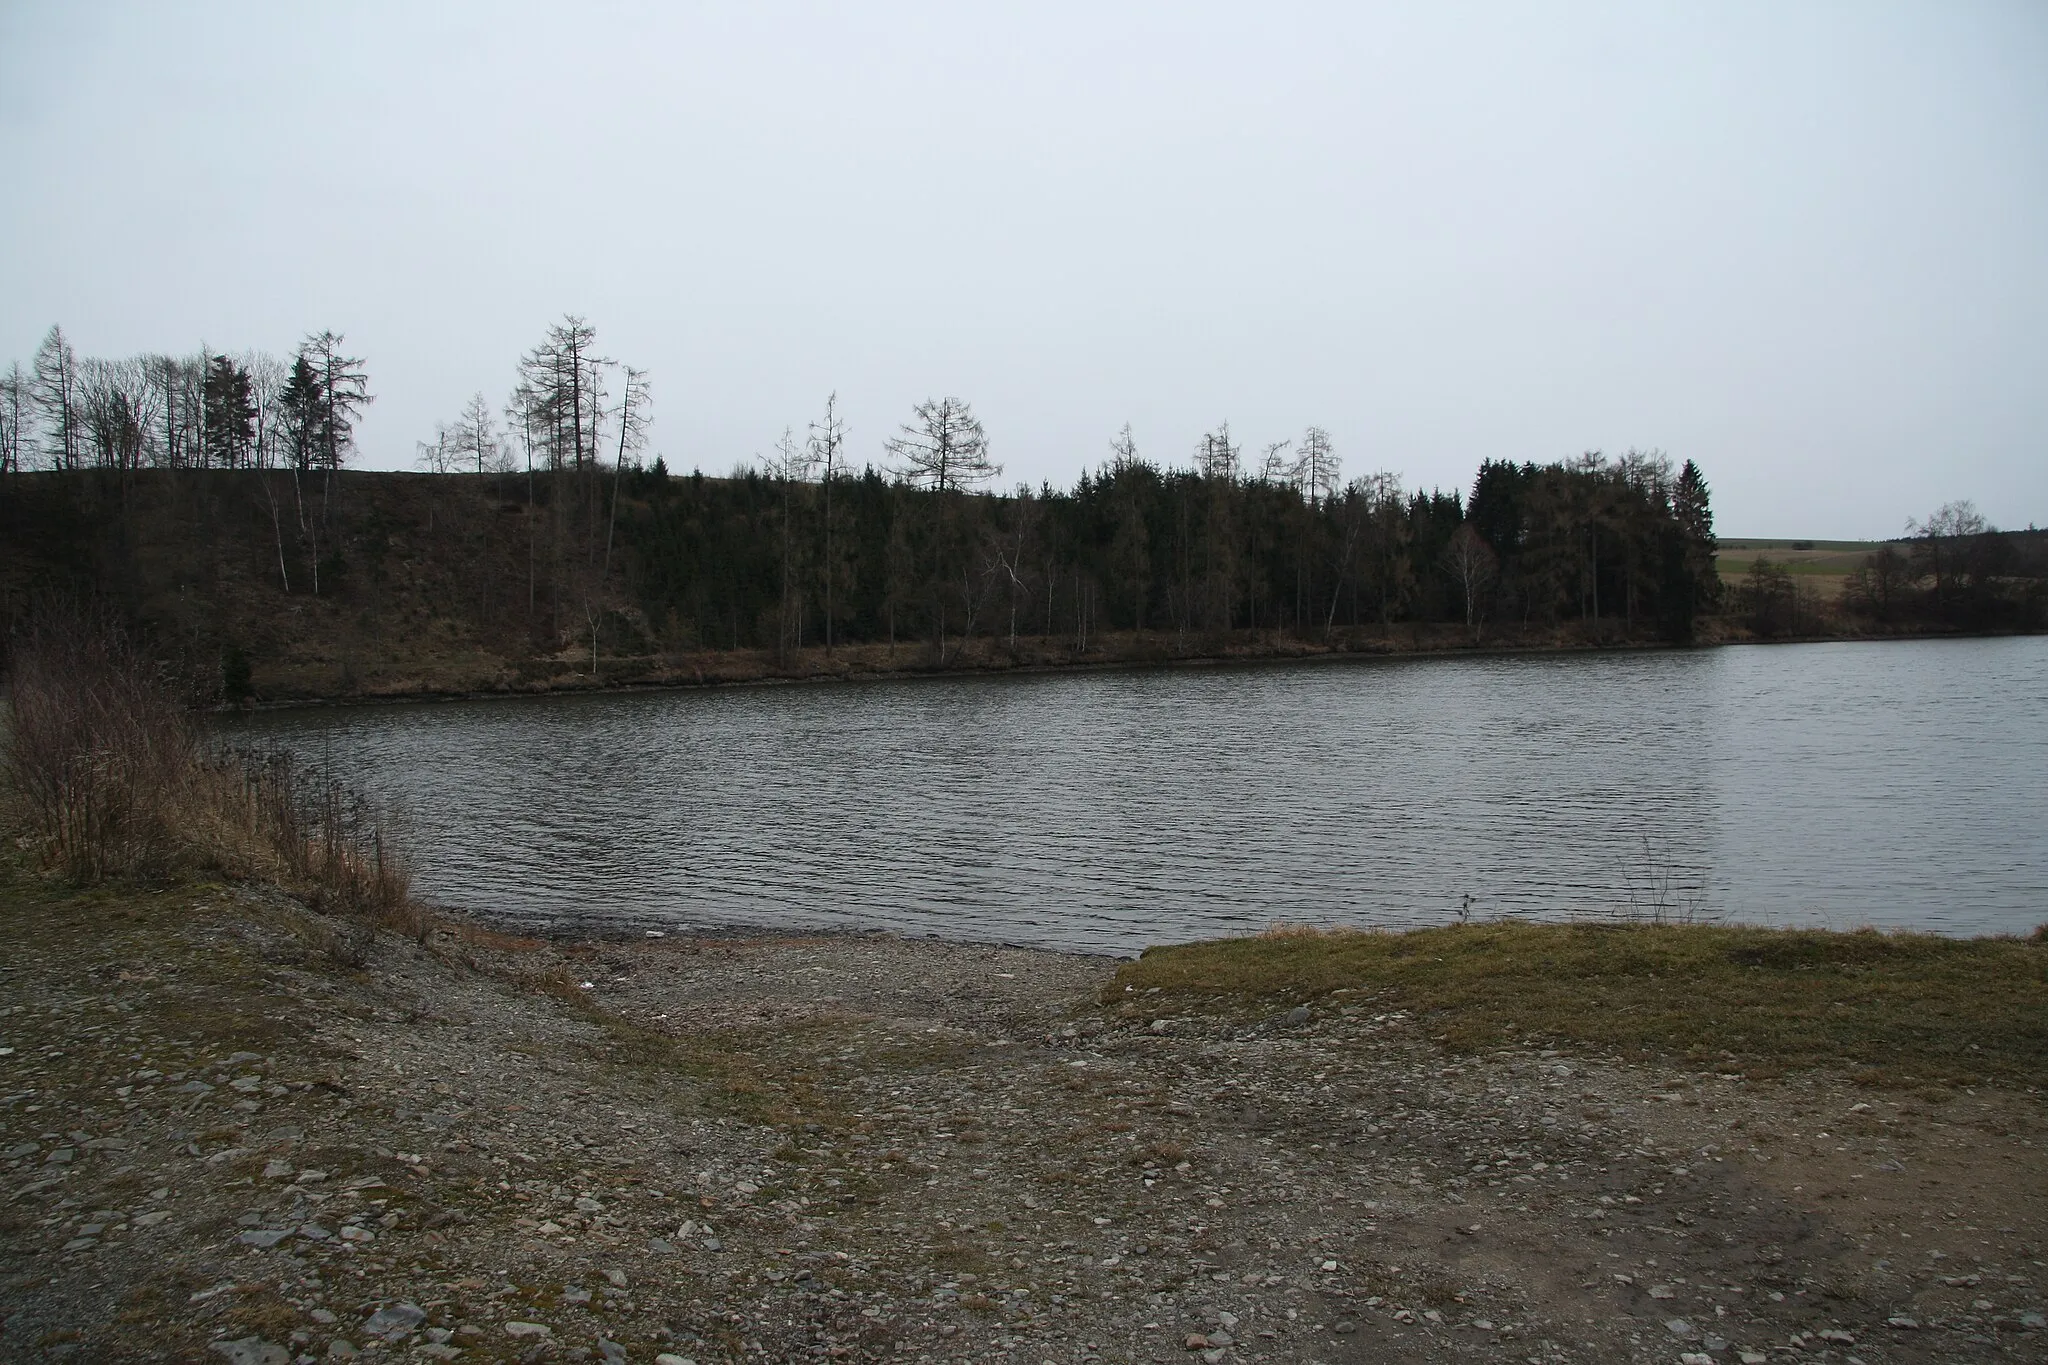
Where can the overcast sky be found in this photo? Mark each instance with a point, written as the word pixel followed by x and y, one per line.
pixel 1805 245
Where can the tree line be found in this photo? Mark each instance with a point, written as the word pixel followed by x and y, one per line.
pixel 810 547
pixel 804 550
pixel 1953 570
pixel 203 410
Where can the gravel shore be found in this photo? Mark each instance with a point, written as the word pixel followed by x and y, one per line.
pixel 230 1131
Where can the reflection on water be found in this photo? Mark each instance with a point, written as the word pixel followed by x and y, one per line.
pixel 1897 784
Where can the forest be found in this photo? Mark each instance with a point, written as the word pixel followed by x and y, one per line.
pixel 211 492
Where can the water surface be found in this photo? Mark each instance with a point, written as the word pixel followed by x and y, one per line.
pixel 1900 784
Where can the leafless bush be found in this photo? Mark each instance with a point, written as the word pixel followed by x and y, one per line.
pixel 99 748
pixel 117 777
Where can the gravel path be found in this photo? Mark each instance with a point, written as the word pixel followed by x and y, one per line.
pixel 222 1141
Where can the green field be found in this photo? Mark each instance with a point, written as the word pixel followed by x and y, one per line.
pixel 1821 563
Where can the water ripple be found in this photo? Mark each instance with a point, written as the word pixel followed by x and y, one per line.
pixel 1896 784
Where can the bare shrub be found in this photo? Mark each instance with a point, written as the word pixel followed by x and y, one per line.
pixel 118 778
pixel 98 746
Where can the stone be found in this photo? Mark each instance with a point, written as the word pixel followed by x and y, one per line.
pixel 150 1220
pixel 264 1238
pixel 339 1349
pixel 1663 1291
pixel 1901 1321
pixel 1836 1335
pixel 277 1170
pixel 1296 1017
pixel 1344 1327
pixel 395 1322
pixel 2033 1320
pixel 356 1234
pixel 611 1351
pixel 671 1358
pixel 617 1278
pixel 1678 1327
pixel 528 1329
pixel 1196 1342
pixel 1695 1358
pixel 252 1351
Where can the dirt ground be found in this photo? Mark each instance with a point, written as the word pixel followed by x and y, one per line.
pixel 232 1131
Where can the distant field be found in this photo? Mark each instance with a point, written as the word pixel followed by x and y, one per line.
pixel 1821 563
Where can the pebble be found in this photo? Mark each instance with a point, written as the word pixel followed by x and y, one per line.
pixel 395 1322
pixel 252 1351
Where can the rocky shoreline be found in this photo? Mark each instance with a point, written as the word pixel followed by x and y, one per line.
pixel 234 1130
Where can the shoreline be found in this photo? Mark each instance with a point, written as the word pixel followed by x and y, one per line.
pixel 884 1150
pixel 1252 654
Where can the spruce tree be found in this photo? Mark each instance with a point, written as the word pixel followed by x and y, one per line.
pixel 1695 513
pixel 230 413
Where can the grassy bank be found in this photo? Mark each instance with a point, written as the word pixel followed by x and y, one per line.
pixel 1896 1008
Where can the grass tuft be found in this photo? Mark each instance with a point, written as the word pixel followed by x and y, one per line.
pixel 1900 1008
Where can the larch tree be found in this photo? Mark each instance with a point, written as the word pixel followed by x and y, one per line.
pixel 827 447
pixel 342 391
pixel 56 389
pixel 15 402
pixel 945 449
pixel 1317 470
pixel 635 411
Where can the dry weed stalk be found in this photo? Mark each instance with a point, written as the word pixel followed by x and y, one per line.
pixel 118 777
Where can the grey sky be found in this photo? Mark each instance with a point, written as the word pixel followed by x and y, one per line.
pixel 1806 245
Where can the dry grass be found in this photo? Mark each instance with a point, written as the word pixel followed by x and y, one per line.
pixel 114 773
pixel 1898 1007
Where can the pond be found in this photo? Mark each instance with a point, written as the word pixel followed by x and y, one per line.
pixel 1897 784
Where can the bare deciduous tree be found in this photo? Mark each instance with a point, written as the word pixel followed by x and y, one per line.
pixel 15 403
pixel 1471 563
pixel 632 437
pixel 56 386
pixel 1216 455
pixel 1317 470
pixel 945 449
pixel 827 442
